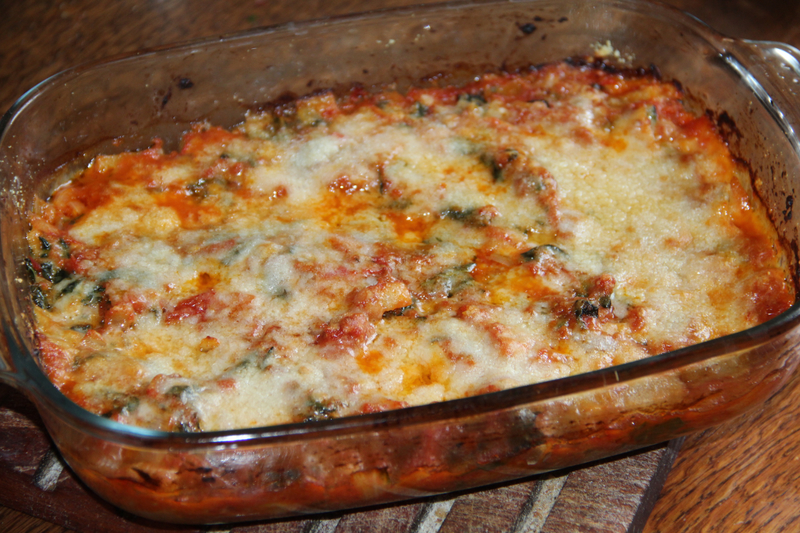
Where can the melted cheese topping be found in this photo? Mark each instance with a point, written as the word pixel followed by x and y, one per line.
pixel 341 256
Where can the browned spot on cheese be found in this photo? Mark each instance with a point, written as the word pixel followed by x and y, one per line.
pixel 410 227
pixel 193 212
pixel 208 343
pixel 386 295
pixel 370 361
pixel 434 371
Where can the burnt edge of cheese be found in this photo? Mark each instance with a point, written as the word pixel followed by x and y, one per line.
pixel 355 251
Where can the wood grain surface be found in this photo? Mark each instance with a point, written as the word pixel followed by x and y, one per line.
pixel 741 476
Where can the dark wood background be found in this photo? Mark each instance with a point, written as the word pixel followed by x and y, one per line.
pixel 741 476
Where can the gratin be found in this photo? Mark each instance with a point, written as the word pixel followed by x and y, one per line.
pixel 339 254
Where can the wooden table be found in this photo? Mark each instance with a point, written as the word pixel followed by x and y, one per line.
pixel 741 476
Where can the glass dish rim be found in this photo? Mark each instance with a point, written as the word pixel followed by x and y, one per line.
pixel 30 377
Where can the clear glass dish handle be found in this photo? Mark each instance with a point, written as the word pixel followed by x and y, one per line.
pixel 773 71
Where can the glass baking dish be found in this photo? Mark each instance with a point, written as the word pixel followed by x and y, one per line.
pixel 750 88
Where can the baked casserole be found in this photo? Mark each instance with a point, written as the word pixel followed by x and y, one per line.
pixel 358 251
